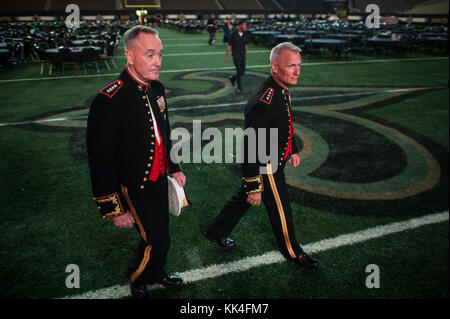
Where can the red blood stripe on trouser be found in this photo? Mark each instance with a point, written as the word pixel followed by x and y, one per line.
pixel 149 207
pixel 280 213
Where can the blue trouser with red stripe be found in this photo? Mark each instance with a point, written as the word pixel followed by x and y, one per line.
pixel 275 198
pixel 150 209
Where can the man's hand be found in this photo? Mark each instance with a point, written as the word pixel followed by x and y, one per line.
pixel 180 178
pixel 294 160
pixel 124 221
pixel 254 199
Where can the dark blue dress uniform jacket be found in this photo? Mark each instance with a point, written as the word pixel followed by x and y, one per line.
pixel 268 108
pixel 121 139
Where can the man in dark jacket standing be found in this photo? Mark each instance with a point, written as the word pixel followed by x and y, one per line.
pixel 212 28
pixel 128 144
pixel 269 108
pixel 238 46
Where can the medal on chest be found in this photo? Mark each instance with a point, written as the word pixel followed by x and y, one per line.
pixel 161 103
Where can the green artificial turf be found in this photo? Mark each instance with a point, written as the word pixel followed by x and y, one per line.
pixel 49 219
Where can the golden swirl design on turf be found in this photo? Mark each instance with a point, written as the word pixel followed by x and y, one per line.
pixel 430 180
pixel 417 184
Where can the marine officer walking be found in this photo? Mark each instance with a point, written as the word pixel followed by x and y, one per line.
pixel 128 144
pixel 269 108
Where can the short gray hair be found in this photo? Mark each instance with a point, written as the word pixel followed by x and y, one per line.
pixel 133 33
pixel 281 47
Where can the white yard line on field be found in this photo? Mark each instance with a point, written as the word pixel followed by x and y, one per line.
pixel 212 106
pixel 272 257
pixel 198 53
pixel 122 57
pixel 220 68
pixel 199 44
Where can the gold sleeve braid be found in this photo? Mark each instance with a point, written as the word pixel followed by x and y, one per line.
pixel 253 184
pixel 109 206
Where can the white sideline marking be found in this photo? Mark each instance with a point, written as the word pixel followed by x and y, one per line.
pixel 212 106
pixel 221 68
pixel 56 119
pixel 202 44
pixel 123 57
pixel 304 98
pixel 198 53
pixel 272 257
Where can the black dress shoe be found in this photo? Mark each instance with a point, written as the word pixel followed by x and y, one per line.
pixel 231 78
pixel 223 242
pixel 172 281
pixel 305 260
pixel 139 291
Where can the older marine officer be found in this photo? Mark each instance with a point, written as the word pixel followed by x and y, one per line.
pixel 128 143
pixel 268 108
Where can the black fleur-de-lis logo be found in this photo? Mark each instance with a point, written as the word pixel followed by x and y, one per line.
pixel 351 161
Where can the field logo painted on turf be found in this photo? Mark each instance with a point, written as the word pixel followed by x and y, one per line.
pixel 351 162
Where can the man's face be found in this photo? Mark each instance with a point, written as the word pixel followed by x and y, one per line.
pixel 144 56
pixel 286 67
pixel 243 26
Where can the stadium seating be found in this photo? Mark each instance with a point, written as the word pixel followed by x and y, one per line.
pixel 306 6
pixel 241 5
pixel 386 6
pixel 192 5
pixel 22 5
pixel 85 5
pixel 269 4
pixel 429 7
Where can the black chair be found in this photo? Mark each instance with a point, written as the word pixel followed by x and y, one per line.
pixel 89 56
pixel 67 58
pixel 17 56
pixel 109 55
pixel 28 50
pixel 5 54
pixel 44 59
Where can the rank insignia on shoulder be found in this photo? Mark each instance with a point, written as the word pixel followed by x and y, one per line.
pixel 112 88
pixel 161 103
pixel 267 96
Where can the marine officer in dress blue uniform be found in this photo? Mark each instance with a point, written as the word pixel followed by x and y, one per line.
pixel 269 108
pixel 128 144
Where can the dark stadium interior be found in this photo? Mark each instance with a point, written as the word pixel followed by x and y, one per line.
pixel 29 28
pixel 371 121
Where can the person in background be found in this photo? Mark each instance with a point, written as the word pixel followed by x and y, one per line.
pixel 212 27
pixel 226 31
pixel 238 47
